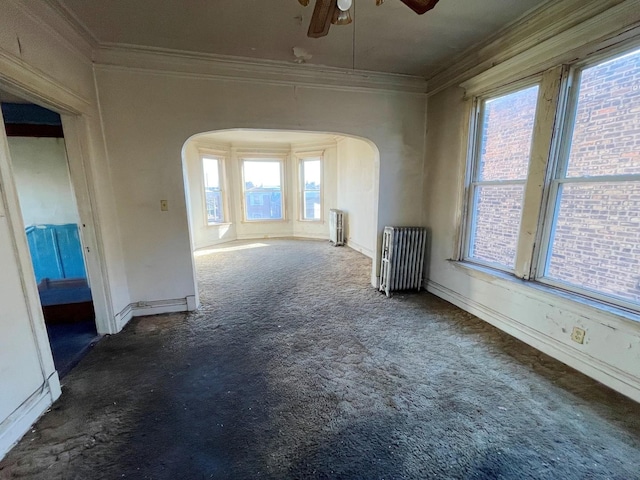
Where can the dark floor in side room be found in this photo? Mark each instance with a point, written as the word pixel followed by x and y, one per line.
pixel 70 342
pixel 295 367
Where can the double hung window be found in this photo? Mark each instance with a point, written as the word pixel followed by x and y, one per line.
pixel 213 191
pixel 262 189
pixel 588 215
pixel 311 188
pixel 593 236
pixel 505 130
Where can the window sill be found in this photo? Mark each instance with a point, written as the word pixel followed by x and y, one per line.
pixel 613 314
pixel 222 224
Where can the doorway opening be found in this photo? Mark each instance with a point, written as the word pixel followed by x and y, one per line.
pixel 51 226
pixel 250 184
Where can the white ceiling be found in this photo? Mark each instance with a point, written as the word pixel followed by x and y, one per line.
pixel 388 38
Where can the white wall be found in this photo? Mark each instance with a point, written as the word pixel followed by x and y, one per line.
pixel 50 65
pixel 27 374
pixel 150 110
pixel 357 177
pixel 41 174
pixel 21 373
pixel 540 317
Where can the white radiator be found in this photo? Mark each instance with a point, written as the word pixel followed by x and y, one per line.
pixel 336 227
pixel 402 258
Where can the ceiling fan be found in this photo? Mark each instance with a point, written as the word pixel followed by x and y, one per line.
pixel 327 12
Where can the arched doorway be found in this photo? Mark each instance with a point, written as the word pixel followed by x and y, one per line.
pixel 255 184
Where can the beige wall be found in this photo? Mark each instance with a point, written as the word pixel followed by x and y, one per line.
pixel 539 316
pixel 357 191
pixel 148 116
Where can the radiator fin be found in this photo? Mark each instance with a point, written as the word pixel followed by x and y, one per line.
pixel 403 250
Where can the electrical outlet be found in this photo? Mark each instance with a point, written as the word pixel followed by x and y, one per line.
pixel 577 335
pixel 164 205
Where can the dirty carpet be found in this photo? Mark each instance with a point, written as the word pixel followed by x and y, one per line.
pixel 295 367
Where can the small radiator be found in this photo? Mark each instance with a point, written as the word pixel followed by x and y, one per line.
pixel 402 258
pixel 336 227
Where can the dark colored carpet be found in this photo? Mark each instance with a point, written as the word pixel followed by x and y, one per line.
pixel 70 342
pixel 295 367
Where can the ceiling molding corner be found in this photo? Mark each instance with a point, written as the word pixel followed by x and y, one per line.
pixel 51 16
pixel 551 29
pixel 20 78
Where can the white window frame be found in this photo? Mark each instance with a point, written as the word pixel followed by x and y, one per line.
pixel 302 158
pixel 549 159
pixel 559 167
pixel 214 155
pixel 475 137
pixel 271 159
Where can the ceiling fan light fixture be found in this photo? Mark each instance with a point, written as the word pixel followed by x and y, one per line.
pixel 379 2
pixel 304 3
pixel 344 5
pixel 343 18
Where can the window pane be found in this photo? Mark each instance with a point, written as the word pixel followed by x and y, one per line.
pixel 214 206
pixel 494 234
pixel 507 128
pixel 606 136
pixel 596 238
pixel 262 190
pixel 311 205
pixel 211 173
pixel 311 197
pixel 311 174
pixel 212 190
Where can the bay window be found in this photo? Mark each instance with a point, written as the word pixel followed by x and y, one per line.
pixel 311 188
pixel 213 191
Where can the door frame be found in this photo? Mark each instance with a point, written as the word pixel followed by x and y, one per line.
pixel 78 116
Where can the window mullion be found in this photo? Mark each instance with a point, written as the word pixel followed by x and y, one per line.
pixel 558 158
pixel 541 146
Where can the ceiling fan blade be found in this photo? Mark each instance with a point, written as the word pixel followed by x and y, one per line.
pixel 420 6
pixel 321 18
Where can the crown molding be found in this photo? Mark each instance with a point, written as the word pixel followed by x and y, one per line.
pixel 258 150
pixel 73 22
pixel 552 29
pixel 53 18
pixel 200 65
pixel 212 148
pixel 20 78
pixel 214 145
pixel 313 146
pixel 569 47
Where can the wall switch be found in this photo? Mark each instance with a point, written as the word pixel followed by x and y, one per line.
pixel 577 335
pixel 164 205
